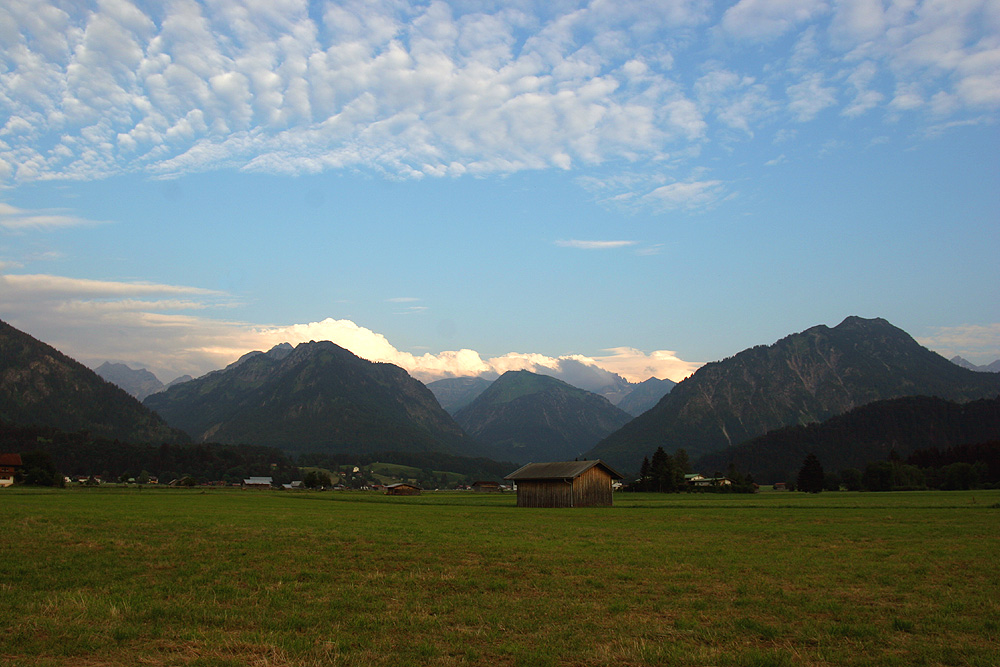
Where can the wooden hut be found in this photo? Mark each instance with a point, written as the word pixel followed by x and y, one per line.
pixel 564 484
pixel 402 489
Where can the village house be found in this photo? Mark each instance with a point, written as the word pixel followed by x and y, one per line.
pixel 564 484
pixel 486 487
pixel 402 489
pixel 258 482
pixel 9 463
pixel 713 481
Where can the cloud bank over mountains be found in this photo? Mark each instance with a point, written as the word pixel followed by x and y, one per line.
pixel 415 90
pixel 139 323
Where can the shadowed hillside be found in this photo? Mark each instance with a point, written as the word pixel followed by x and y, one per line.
pixel 526 417
pixel 40 386
pixel 865 434
pixel 317 397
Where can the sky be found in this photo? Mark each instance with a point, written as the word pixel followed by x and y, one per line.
pixel 471 187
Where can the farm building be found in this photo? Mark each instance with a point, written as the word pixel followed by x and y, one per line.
pixel 402 489
pixel 9 463
pixel 486 487
pixel 564 484
pixel 713 481
pixel 258 482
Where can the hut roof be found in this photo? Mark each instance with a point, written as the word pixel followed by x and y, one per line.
pixel 560 470
pixel 10 459
pixel 400 485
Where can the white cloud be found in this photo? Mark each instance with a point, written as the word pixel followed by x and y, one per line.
pixel 856 22
pixel 594 245
pixel 41 286
pixel 810 96
pixel 865 98
pixel 766 19
pixel 16 219
pixel 689 194
pixel 636 366
pixel 738 101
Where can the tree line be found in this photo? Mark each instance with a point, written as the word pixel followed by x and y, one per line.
pixel 53 454
pixel 663 473
pixel 955 468
pixel 49 454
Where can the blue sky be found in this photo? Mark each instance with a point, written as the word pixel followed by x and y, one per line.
pixel 472 187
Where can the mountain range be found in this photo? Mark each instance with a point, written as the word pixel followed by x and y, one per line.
pixel 803 378
pixel 316 396
pixel 319 397
pixel 40 386
pixel 525 417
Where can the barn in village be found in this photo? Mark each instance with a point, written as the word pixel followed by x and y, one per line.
pixel 564 484
pixel 402 489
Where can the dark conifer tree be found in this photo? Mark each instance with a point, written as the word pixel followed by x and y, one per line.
pixel 810 477
pixel 682 466
pixel 662 471
pixel 644 474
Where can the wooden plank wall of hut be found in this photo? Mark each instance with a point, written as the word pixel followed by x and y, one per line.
pixel 592 488
pixel 544 493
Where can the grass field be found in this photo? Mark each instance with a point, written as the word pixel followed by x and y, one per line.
pixel 183 577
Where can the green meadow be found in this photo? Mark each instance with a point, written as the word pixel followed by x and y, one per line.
pixel 98 577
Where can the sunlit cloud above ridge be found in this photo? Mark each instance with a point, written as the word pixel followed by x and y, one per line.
pixel 170 330
pixel 419 90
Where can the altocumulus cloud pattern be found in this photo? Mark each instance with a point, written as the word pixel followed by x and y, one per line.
pixel 91 89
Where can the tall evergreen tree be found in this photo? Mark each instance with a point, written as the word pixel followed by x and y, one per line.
pixel 810 477
pixel 662 471
pixel 644 475
pixel 682 466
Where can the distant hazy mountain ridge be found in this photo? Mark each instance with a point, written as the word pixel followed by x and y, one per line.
pixel 993 367
pixel 525 416
pixel 802 378
pixel 41 386
pixel 645 395
pixel 315 397
pixel 455 393
pixel 139 383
